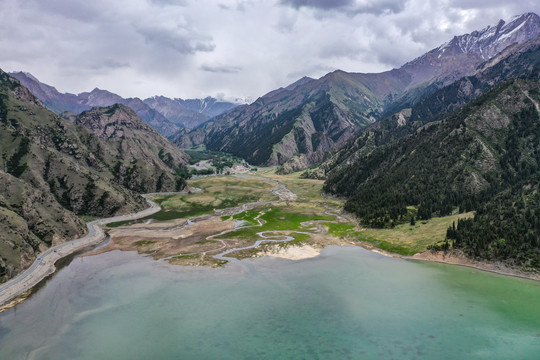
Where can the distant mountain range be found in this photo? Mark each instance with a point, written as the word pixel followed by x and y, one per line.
pixel 164 114
pixel 188 113
pixel 296 125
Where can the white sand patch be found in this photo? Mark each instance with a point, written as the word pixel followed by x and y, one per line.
pixel 292 252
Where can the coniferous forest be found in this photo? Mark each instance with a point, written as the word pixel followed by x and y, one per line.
pixel 485 157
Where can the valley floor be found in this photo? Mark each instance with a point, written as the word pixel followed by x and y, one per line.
pixel 234 217
pixel 297 210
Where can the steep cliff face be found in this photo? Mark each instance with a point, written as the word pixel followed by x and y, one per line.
pixel 143 161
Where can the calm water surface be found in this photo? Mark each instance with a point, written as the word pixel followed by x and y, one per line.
pixel 347 303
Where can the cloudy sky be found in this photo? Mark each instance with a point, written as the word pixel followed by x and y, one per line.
pixel 230 48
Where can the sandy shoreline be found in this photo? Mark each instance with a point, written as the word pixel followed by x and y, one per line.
pixel 295 252
pixel 457 257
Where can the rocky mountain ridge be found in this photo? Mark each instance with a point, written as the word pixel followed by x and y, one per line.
pixel 188 113
pixel 156 111
pixel 297 124
pixel 491 40
pixel 518 61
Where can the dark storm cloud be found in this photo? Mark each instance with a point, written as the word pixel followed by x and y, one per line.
pixel 318 4
pixel 185 48
pixel 176 38
pixel 350 7
pixel 169 2
pixel 225 69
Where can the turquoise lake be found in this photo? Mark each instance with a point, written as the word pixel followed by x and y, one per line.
pixel 347 303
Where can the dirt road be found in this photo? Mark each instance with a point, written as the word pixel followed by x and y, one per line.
pixel 43 266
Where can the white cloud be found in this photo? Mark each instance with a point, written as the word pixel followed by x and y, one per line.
pixel 183 48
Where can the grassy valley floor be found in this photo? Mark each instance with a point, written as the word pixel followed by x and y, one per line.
pixel 231 212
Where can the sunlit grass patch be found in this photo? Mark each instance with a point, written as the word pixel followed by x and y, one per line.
pixel 218 193
pixel 278 219
pixel 404 239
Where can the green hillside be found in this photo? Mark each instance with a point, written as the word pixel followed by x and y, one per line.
pixel 482 157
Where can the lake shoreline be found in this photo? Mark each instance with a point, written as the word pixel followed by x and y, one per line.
pixel 19 292
pixel 105 299
pixel 298 252
pixel 20 287
pixel 458 258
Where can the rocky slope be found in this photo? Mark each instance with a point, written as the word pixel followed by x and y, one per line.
pixel 517 61
pixel 52 170
pixel 296 125
pixel 30 220
pixel 144 160
pixel 469 143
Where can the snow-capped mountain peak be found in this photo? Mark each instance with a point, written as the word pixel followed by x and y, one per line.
pixel 462 54
pixel 491 40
